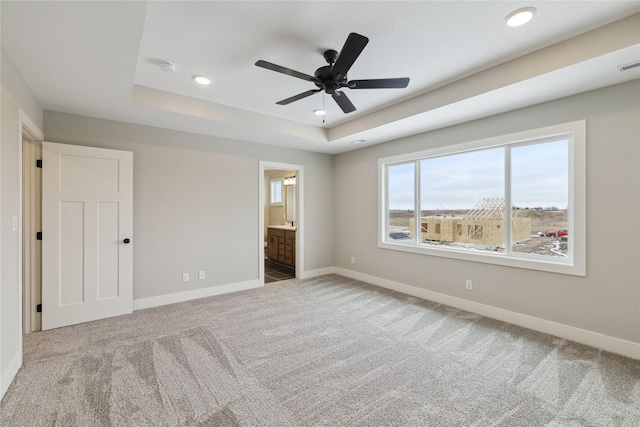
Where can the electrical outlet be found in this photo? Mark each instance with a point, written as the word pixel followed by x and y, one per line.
pixel 353 260
pixel 469 285
pixel 201 275
pixel 185 277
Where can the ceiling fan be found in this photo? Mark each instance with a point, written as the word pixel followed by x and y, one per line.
pixel 333 77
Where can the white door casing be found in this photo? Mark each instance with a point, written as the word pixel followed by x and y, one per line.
pixel 31 224
pixel 87 215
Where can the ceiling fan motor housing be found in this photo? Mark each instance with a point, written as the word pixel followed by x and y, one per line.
pixel 327 80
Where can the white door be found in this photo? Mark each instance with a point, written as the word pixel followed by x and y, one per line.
pixel 87 224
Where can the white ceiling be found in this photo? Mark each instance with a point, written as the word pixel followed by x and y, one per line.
pixel 100 59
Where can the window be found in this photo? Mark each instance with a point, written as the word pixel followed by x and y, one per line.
pixel 515 200
pixel 276 192
pixel 401 189
pixel 475 232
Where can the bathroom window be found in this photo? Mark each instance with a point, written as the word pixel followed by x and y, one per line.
pixel 276 192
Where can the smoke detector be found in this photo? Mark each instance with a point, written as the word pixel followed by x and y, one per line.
pixel 167 66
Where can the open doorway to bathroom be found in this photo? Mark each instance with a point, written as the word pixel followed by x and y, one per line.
pixel 280 222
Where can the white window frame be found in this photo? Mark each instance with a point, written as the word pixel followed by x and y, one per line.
pixel 271 193
pixel 573 264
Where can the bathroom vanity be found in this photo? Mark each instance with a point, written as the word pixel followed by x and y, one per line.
pixel 281 244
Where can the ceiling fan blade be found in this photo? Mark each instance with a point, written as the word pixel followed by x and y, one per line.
pixel 283 70
pixel 298 97
pixel 343 101
pixel 350 51
pixel 398 83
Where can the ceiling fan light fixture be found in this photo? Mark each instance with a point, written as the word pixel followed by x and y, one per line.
pixel 520 17
pixel 319 112
pixel 202 80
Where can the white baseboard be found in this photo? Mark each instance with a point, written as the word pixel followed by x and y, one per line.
pixel 139 304
pixel 10 373
pixel 318 272
pixel 142 303
pixel 583 336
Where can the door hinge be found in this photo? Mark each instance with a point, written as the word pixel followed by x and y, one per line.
pixel 39 235
pixel 39 308
pixel 39 163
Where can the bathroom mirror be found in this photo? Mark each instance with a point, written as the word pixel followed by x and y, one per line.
pixel 290 201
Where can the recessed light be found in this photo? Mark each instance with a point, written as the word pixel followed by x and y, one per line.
pixel 167 66
pixel 319 112
pixel 520 16
pixel 359 141
pixel 202 80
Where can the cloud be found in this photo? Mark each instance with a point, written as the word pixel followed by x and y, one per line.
pixel 539 177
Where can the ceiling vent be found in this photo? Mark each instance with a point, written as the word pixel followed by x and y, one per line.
pixel 629 66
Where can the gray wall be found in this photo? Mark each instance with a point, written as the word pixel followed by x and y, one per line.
pixel 196 201
pixel 606 301
pixel 15 97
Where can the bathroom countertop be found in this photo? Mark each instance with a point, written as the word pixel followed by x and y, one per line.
pixel 282 227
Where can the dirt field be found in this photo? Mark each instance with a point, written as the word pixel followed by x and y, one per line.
pixel 549 246
pixel 543 221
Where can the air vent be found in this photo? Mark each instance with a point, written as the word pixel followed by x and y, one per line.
pixel 629 66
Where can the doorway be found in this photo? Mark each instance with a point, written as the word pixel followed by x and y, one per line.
pixel 29 149
pixel 280 222
pixel 31 225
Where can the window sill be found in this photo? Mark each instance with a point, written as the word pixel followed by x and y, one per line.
pixel 529 262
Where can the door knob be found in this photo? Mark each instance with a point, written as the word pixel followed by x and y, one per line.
pixel 126 241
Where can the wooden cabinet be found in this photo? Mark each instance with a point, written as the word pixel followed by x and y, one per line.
pixel 281 246
pixel 272 245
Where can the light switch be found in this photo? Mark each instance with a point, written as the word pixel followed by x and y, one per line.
pixel 14 223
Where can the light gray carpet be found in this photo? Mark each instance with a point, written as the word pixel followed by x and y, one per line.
pixel 326 351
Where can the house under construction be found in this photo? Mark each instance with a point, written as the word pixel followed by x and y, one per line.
pixel 482 225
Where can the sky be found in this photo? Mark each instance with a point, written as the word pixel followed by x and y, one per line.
pixel 539 178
